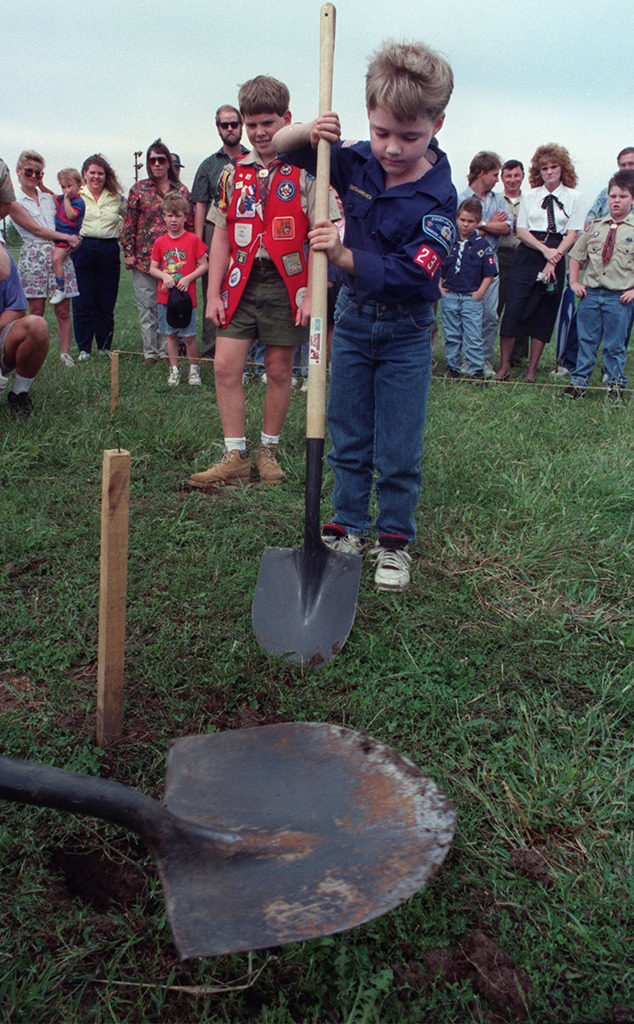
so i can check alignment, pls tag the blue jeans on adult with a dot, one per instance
(380, 373)
(490, 318)
(98, 267)
(602, 314)
(461, 318)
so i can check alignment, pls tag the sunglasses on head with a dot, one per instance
(30, 173)
(228, 124)
(158, 159)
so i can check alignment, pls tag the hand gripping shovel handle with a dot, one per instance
(316, 410)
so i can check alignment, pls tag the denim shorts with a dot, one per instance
(180, 332)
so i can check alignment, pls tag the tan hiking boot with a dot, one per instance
(233, 468)
(267, 465)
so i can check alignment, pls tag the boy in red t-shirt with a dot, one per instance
(179, 258)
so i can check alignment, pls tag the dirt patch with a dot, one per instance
(479, 960)
(19, 692)
(96, 879)
(533, 863)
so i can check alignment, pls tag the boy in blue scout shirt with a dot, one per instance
(467, 273)
(399, 205)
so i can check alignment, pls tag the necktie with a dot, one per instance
(548, 204)
(264, 179)
(608, 246)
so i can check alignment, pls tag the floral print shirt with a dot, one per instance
(144, 222)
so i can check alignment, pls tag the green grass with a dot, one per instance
(505, 672)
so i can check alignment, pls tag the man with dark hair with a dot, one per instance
(512, 176)
(484, 173)
(229, 125)
(600, 207)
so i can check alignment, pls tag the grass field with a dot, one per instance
(505, 673)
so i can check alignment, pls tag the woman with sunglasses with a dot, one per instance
(142, 226)
(33, 214)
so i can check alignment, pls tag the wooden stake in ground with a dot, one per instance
(114, 383)
(115, 504)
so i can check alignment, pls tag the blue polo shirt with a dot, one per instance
(11, 291)
(467, 264)
(398, 236)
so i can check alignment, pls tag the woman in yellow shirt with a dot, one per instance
(98, 260)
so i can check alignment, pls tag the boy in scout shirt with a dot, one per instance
(258, 282)
(606, 250)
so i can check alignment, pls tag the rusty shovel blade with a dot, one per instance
(268, 835)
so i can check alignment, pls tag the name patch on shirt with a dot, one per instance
(354, 188)
(440, 229)
(428, 259)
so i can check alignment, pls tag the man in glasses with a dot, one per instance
(229, 125)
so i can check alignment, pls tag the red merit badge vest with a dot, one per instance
(282, 230)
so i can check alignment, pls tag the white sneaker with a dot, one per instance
(174, 377)
(392, 568)
(263, 378)
(83, 357)
(3, 382)
(304, 387)
(560, 372)
(57, 297)
(246, 377)
(348, 543)
(489, 372)
(66, 360)
(194, 376)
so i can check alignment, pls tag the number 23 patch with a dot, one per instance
(428, 259)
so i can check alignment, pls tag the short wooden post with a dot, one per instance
(115, 504)
(114, 383)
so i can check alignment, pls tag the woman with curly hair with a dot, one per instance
(549, 220)
(142, 226)
(98, 261)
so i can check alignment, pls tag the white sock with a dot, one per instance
(236, 444)
(21, 384)
(269, 438)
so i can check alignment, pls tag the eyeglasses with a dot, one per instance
(228, 124)
(158, 160)
(30, 173)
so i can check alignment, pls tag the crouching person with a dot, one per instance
(24, 342)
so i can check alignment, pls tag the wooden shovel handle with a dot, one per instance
(316, 411)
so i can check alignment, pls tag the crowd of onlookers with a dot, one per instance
(397, 239)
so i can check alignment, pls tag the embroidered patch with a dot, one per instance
(246, 202)
(286, 191)
(428, 260)
(283, 228)
(292, 263)
(243, 233)
(241, 256)
(225, 299)
(286, 169)
(235, 277)
(354, 188)
(440, 229)
(300, 295)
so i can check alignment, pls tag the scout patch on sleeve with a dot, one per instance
(283, 228)
(292, 263)
(440, 229)
(428, 260)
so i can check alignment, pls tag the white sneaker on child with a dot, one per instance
(174, 377)
(66, 359)
(57, 297)
(194, 376)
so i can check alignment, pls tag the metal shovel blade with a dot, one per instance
(335, 829)
(305, 602)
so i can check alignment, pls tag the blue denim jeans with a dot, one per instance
(490, 318)
(461, 318)
(601, 314)
(380, 373)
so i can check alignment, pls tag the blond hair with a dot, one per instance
(29, 156)
(263, 95)
(68, 174)
(409, 80)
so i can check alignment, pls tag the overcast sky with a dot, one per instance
(82, 77)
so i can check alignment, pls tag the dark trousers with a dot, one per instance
(208, 345)
(98, 268)
(505, 261)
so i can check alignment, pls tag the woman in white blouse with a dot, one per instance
(549, 220)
